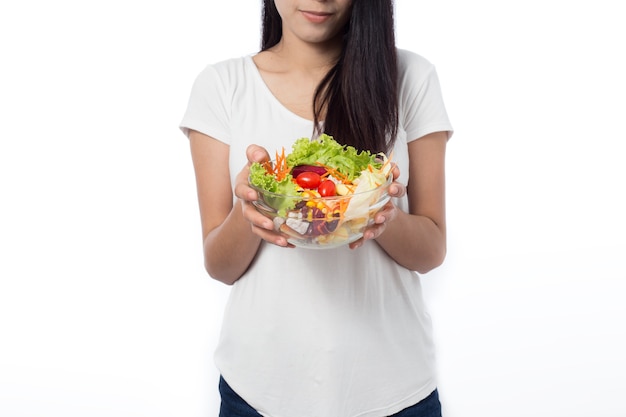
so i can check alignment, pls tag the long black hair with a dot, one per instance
(360, 93)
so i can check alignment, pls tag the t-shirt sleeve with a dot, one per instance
(421, 102)
(208, 109)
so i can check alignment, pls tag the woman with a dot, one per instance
(343, 332)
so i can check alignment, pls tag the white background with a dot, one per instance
(105, 309)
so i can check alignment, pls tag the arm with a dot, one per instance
(417, 239)
(231, 233)
(229, 245)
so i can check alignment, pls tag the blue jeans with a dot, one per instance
(428, 407)
(234, 406)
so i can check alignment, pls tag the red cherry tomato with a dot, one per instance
(327, 188)
(309, 180)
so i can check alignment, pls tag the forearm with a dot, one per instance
(230, 248)
(415, 242)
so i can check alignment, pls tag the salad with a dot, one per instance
(322, 191)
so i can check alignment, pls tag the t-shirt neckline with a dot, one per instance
(259, 78)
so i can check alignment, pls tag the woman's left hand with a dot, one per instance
(386, 214)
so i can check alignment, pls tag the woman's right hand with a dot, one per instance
(261, 225)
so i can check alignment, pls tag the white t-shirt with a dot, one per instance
(319, 333)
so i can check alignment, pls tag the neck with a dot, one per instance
(308, 57)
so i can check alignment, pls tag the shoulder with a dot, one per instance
(222, 79)
(412, 63)
(226, 69)
(421, 105)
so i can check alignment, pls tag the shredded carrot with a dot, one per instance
(335, 173)
(280, 168)
(343, 206)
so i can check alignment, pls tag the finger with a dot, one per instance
(356, 244)
(387, 213)
(395, 171)
(242, 188)
(373, 231)
(273, 237)
(245, 192)
(380, 217)
(256, 153)
(396, 189)
(255, 218)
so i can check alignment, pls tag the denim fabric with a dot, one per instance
(234, 406)
(428, 407)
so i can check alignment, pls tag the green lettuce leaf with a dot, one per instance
(327, 151)
(260, 178)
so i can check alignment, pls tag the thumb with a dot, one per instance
(256, 153)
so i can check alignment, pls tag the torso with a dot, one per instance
(303, 329)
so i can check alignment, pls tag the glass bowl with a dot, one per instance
(314, 222)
